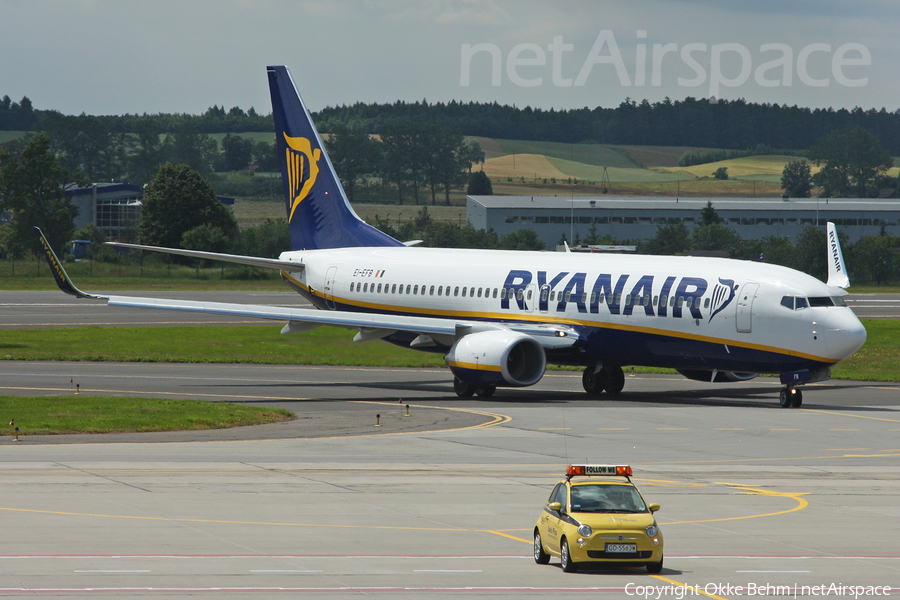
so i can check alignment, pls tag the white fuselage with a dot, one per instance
(661, 308)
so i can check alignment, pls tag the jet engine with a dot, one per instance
(500, 358)
(717, 376)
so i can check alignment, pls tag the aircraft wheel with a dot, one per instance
(615, 380)
(797, 398)
(784, 398)
(486, 391)
(594, 381)
(463, 389)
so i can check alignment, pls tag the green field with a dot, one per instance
(37, 415)
(878, 360)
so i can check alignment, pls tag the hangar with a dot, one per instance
(633, 218)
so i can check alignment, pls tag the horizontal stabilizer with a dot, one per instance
(250, 261)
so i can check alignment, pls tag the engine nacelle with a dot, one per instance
(717, 376)
(501, 358)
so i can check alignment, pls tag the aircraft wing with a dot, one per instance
(370, 325)
(252, 261)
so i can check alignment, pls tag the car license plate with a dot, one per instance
(612, 548)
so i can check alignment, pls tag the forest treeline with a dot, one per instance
(734, 124)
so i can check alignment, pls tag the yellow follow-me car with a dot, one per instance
(599, 519)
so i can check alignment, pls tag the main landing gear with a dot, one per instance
(790, 397)
(464, 389)
(609, 379)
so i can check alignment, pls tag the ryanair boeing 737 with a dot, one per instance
(500, 317)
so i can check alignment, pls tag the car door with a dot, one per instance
(550, 519)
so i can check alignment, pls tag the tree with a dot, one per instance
(709, 216)
(672, 238)
(176, 201)
(523, 239)
(236, 152)
(479, 185)
(194, 149)
(353, 154)
(32, 191)
(796, 179)
(721, 173)
(853, 158)
(148, 150)
(716, 237)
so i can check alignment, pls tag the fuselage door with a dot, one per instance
(329, 287)
(744, 317)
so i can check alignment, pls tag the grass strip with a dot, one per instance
(41, 415)
(207, 344)
(878, 360)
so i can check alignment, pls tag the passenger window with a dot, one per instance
(456, 291)
(365, 287)
(465, 289)
(529, 294)
(379, 288)
(646, 301)
(503, 293)
(663, 300)
(627, 299)
(415, 290)
(672, 301)
(680, 301)
(431, 291)
(618, 299)
(495, 292)
(568, 296)
(520, 295)
(479, 292)
(351, 286)
(689, 302)
(584, 297)
(706, 303)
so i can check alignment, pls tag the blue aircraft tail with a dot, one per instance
(318, 212)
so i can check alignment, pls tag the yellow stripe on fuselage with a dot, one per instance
(543, 318)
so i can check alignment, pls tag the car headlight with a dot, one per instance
(585, 530)
(651, 530)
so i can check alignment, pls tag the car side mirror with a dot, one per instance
(557, 506)
(653, 507)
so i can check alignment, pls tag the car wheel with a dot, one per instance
(568, 565)
(655, 567)
(540, 557)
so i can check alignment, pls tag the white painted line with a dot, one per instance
(112, 571)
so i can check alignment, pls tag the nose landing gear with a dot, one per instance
(790, 397)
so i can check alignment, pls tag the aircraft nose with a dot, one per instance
(843, 333)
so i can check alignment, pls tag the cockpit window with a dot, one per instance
(821, 301)
(798, 302)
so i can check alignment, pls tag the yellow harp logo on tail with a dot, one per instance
(302, 168)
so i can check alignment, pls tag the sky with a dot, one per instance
(103, 57)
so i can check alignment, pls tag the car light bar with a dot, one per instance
(587, 470)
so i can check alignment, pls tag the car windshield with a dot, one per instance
(598, 498)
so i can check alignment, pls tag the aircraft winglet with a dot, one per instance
(837, 269)
(59, 273)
